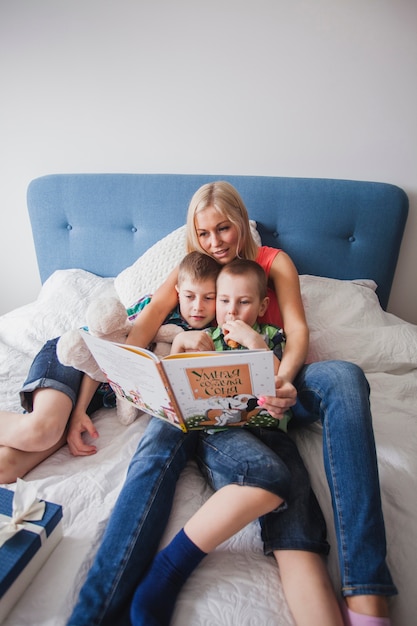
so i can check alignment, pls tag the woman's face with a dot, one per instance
(218, 237)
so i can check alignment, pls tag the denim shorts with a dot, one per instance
(268, 458)
(301, 526)
(46, 372)
(234, 456)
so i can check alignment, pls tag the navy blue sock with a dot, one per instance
(154, 599)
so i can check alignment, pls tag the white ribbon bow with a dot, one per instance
(26, 508)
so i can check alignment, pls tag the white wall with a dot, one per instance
(321, 88)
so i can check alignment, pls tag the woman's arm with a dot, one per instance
(153, 315)
(287, 288)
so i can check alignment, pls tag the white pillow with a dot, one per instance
(332, 302)
(151, 269)
(347, 322)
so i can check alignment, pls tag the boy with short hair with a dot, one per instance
(241, 298)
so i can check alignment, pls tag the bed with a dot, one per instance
(107, 234)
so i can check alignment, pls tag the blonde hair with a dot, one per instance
(224, 198)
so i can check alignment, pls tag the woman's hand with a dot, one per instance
(285, 398)
(81, 423)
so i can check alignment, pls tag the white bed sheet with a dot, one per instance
(236, 585)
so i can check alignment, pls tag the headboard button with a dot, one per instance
(134, 229)
(69, 227)
(275, 234)
(352, 239)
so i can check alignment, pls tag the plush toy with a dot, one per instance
(107, 318)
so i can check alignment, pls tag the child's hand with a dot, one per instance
(79, 424)
(243, 334)
(192, 341)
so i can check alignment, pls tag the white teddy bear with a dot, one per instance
(107, 318)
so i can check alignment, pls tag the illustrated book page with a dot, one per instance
(191, 390)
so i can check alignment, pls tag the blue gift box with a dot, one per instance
(23, 554)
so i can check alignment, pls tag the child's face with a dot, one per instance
(238, 299)
(197, 302)
(218, 237)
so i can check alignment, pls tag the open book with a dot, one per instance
(191, 390)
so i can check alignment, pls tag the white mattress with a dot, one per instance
(236, 585)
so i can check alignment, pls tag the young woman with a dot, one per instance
(335, 392)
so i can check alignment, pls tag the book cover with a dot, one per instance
(191, 390)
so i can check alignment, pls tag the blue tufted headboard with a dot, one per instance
(103, 222)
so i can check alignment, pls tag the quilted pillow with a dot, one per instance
(153, 266)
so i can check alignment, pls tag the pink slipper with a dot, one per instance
(358, 619)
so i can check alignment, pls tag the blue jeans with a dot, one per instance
(141, 512)
(337, 393)
(136, 525)
(236, 457)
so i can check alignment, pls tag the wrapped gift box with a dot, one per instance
(24, 553)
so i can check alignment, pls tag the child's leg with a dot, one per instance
(42, 428)
(297, 538)
(15, 463)
(221, 516)
(308, 588)
(249, 481)
(226, 512)
(27, 439)
(48, 395)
